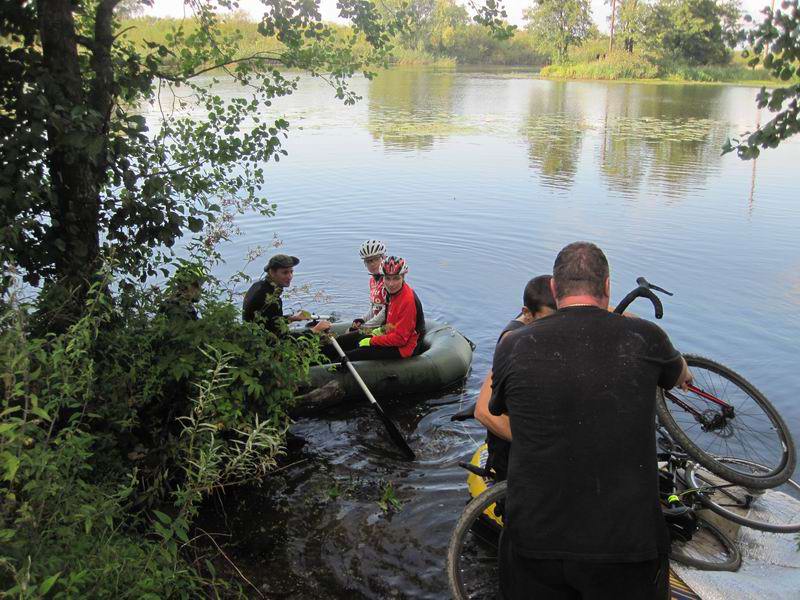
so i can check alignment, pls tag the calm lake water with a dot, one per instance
(478, 179)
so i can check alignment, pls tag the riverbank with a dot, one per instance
(622, 66)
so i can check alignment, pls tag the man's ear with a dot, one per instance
(553, 289)
(607, 287)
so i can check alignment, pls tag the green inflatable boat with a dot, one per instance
(444, 362)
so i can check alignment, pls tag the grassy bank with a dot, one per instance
(627, 66)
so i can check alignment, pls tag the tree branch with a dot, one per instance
(278, 58)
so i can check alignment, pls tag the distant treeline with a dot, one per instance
(456, 40)
(687, 40)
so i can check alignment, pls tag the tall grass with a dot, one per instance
(625, 65)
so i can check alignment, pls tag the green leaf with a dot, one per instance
(40, 412)
(48, 583)
(195, 225)
(165, 519)
(10, 465)
(7, 534)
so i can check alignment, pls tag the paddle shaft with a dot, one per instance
(394, 431)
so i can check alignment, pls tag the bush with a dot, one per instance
(112, 432)
(617, 65)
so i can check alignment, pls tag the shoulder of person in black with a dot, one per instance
(659, 348)
(263, 298)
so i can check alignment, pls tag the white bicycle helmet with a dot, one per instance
(371, 249)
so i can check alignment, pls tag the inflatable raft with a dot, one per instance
(444, 362)
(477, 484)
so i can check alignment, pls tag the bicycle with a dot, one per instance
(722, 415)
(471, 557)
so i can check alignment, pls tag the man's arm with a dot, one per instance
(500, 426)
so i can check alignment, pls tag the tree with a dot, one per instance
(695, 31)
(560, 23)
(632, 17)
(777, 38)
(83, 179)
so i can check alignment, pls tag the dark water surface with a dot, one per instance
(478, 179)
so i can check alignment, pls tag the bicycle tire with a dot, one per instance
(708, 550)
(756, 433)
(774, 510)
(472, 570)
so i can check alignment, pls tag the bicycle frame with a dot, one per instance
(718, 421)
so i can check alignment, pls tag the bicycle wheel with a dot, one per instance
(749, 428)
(776, 509)
(472, 571)
(708, 550)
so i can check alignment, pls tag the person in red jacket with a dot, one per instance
(405, 322)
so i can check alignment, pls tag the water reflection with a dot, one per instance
(669, 134)
(410, 108)
(554, 130)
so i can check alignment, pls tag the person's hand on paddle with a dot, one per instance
(365, 343)
(322, 326)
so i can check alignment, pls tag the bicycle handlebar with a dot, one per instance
(645, 290)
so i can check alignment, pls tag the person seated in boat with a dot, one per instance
(263, 300)
(405, 322)
(537, 302)
(373, 252)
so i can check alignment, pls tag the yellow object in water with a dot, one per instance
(478, 484)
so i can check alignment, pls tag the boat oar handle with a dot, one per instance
(391, 427)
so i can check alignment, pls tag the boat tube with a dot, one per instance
(444, 362)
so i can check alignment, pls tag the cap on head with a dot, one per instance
(371, 249)
(394, 265)
(282, 261)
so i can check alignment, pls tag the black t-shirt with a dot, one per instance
(265, 299)
(579, 387)
(497, 448)
(512, 325)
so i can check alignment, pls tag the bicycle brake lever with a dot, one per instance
(660, 289)
(642, 282)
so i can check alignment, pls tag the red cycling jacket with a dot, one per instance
(405, 322)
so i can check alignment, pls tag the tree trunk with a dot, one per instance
(74, 152)
(613, 22)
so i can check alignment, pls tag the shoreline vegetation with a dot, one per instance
(474, 47)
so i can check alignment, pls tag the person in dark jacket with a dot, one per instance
(263, 300)
(538, 302)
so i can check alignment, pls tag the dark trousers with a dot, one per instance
(523, 578)
(349, 343)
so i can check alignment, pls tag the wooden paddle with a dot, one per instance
(391, 427)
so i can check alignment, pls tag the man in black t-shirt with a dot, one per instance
(582, 516)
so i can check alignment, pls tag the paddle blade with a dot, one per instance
(394, 433)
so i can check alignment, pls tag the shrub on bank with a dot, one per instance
(625, 65)
(618, 65)
(113, 431)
